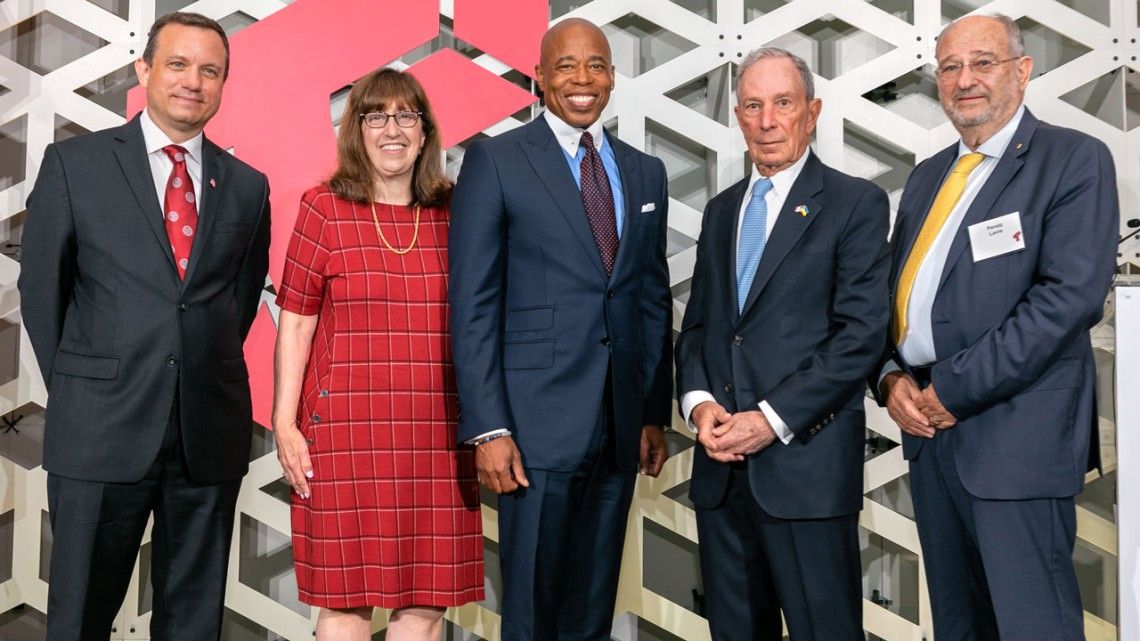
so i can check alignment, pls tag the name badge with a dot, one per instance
(996, 236)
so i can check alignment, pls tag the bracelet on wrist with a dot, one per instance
(490, 437)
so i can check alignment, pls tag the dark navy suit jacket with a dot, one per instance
(812, 328)
(117, 335)
(1014, 359)
(535, 321)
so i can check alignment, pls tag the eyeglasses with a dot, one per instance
(405, 119)
(982, 67)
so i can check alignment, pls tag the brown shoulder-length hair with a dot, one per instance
(388, 89)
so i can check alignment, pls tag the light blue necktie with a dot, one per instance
(753, 236)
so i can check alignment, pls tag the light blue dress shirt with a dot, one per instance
(570, 139)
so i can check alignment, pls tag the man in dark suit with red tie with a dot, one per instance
(144, 255)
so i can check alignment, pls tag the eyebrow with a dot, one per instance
(574, 59)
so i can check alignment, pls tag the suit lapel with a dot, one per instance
(1008, 166)
(549, 164)
(213, 181)
(722, 242)
(631, 192)
(940, 163)
(790, 226)
(131, 155)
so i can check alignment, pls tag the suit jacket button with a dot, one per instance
(605, 340)
(728, 388)
(171, 361)
(316, 418)
(183, 307)
(610, 293)
(323, 393)
(737, 340)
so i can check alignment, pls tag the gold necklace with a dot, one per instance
(415, 234)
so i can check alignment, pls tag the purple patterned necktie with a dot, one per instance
(598, 201)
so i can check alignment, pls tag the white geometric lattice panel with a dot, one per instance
(65, 69)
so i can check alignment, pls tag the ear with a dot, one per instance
(1024, 71)
(142, 71)
(814, 107)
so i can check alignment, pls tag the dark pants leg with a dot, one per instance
(97, 528)
(560, 548)
(754, 565)
(995, 569)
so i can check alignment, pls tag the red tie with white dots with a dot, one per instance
(179, 209)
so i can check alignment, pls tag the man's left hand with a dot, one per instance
(654, 450)
(939, 416)
(745, 434)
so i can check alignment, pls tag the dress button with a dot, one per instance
(316, 418)
(324, 393)
(729, 388)
(737, 340)
(171, 361)
(605, 340)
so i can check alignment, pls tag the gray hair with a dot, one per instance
(756, 55)
(1012, 32)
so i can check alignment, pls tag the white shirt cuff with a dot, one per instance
(689, 402)
(778, 425)
(501, 430)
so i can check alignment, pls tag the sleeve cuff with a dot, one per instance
(888, 367)
(689, 401)
(778, 425)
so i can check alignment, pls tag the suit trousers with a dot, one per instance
(995, 569)
(753, 565)
(560, 545)
(97, 529)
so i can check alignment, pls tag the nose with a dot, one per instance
(581, 75)
(966, 77)
(390, 127)
(767, 117)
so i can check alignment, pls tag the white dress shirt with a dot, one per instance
(782, 182)
(917, 347)
(160, 163)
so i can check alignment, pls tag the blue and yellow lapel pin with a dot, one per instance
(802, 210)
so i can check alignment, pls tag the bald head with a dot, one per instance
(550, 38)
(575, 72)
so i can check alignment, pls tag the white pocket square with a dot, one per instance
(648, 207)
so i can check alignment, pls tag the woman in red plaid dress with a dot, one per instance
(386, 506)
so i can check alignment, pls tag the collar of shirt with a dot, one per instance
(160, 164)
(155, 139)
(570, 137)
(996, 145)
(782, 182)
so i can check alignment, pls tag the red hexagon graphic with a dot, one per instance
(509, 30)
(275, 112)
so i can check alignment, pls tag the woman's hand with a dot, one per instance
(293, 454)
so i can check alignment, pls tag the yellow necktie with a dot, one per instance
(944, 203)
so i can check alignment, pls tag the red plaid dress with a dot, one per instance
(393, 519)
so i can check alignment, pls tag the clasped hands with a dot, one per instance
(917, 412)
(731, 437)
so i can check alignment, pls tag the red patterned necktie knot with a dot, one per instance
(598, 201)
(179, 211)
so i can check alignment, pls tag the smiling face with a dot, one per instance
(575, 72)
(980, 105)
(184, 80)
(392, 150)
(774, 114)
